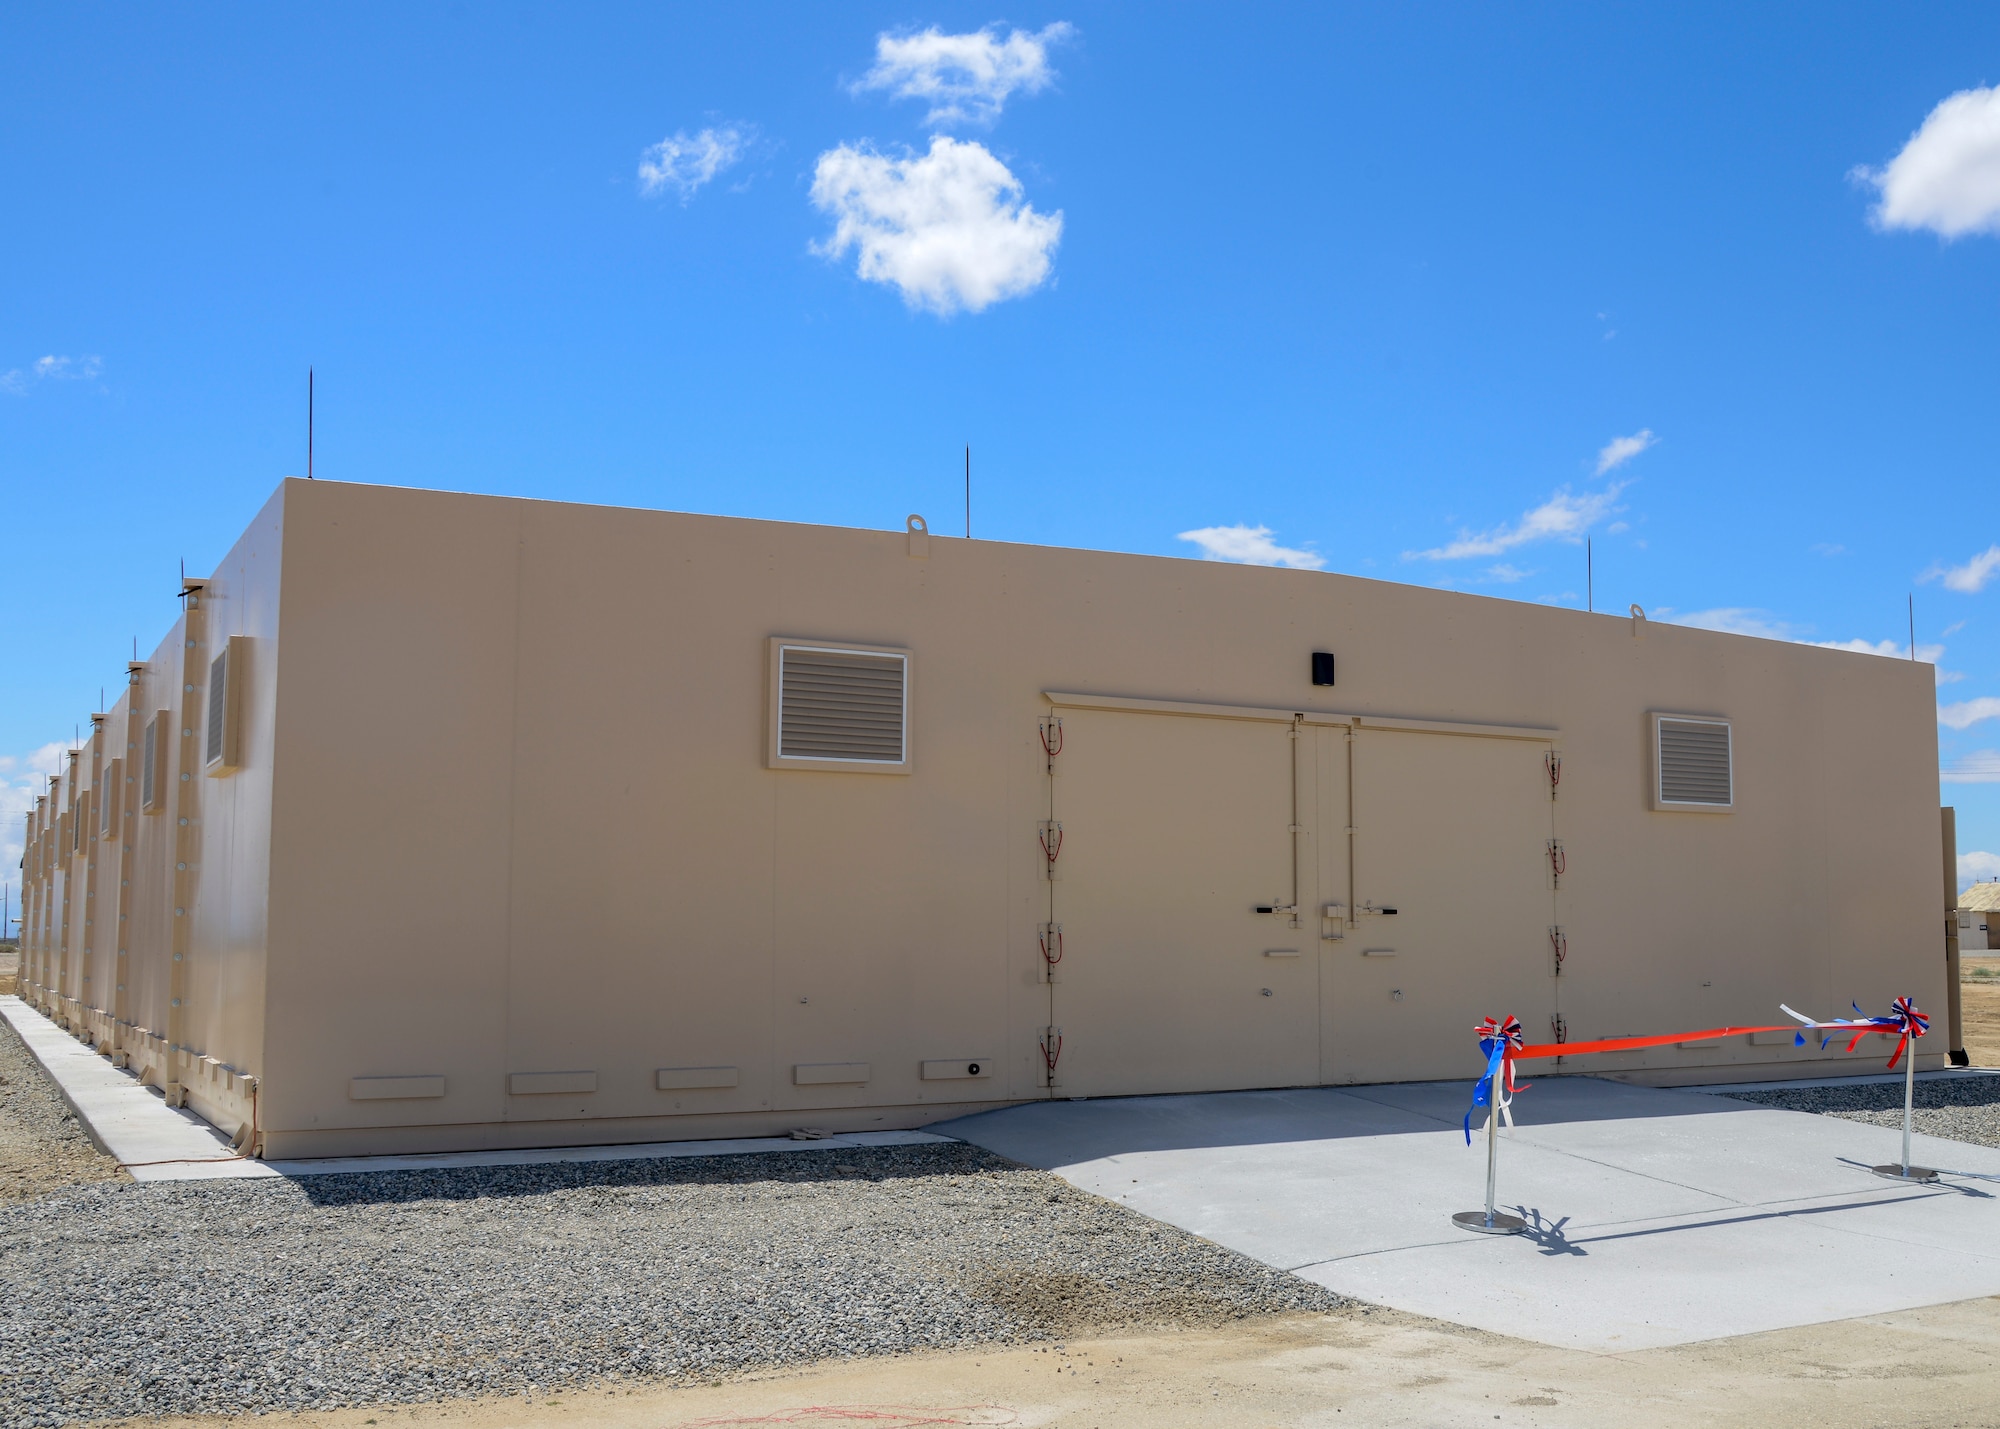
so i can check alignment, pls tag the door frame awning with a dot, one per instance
(1271, 715)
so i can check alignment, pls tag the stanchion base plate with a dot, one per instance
(1896, 1173)
(1501, 1224)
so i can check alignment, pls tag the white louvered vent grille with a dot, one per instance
(841, 704)
(1694, 763)
(218, 705)
(149, 793)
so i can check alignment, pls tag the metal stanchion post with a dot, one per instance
(1907, 1172)
(1490, 1221)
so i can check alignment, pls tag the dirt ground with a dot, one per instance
(1979, 1005)
(1923, 1369)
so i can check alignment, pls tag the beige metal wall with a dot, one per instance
(527, 862)
(188, 877)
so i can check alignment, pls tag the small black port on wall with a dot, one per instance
(1322, 667)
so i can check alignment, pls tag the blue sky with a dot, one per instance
(1424, 293)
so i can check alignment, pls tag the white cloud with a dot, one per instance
(1980, 767)
(684, 162)
(1250, 546)
(1619, 450)
(1894, 650)
(948, 229)
(1967, 713)
(966, 79)
(1977, 867)
(1747, 620)
(1827, 548)
(1730, 620)
(1970, 578)
(22, 777)
(18, 380)
(1562, 517)
(1507, 573)
(1947, 177)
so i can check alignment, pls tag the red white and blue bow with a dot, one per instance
(1499, 1041)
(1903, 1022)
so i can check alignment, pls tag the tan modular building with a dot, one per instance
(450, 821)
(1979, 918)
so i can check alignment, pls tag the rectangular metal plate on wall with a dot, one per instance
(679, 1079)
(542, 1084)
(375, 1089)
(948, 1070)
(825, 1074)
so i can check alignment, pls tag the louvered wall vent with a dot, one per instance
(218, 705)
(842, 707)
(223, 736)
(149, 779)
(153, 781)
(1692, 758)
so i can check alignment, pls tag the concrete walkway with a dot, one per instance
(132, 1122)
(155, 1142)
(1659, 1217)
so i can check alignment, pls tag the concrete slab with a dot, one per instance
(153, 1141)
(1659, 1217)
(1949, 1074)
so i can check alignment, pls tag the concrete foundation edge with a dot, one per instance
(594, 1131)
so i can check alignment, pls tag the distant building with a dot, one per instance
(1979, 918)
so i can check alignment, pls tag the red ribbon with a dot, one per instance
(1627, 1044)
(1904, 1022)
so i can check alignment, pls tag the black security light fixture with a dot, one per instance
(1322, 667)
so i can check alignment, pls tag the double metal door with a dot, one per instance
(1403, 877)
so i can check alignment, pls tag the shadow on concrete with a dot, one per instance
(1548, 1235)
(1935, 1187)
(804, 1167)
(1066, 1133)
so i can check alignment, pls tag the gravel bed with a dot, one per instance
(1956, 1108)
(43, 1147)
(221, 1297)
